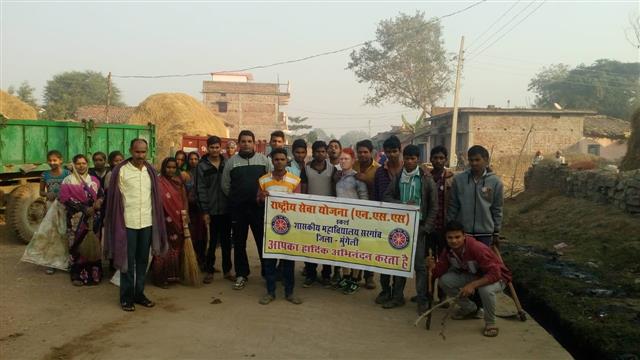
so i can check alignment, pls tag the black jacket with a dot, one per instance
(211, 199)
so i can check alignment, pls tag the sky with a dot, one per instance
(41, 39)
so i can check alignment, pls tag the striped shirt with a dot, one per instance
(289, 183)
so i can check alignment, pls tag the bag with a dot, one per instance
(49, 246)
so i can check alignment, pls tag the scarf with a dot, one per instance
(115, 244)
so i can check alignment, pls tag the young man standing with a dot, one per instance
(134, 221)
(334, 150)
(213, 203)
(443, 178)
(296, 166)
(366, 168)
(240, 185)
(477, 198)
(465, 267)
(384, 176)
(319, 173)
(283, 181)
(413, 187)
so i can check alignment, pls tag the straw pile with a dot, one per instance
(631, 160)
(13, 108)
(175, 115)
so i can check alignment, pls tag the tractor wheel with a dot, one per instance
(25, 210)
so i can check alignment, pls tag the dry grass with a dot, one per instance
(13, 108)
(175, 115)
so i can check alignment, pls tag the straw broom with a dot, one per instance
(190, 270)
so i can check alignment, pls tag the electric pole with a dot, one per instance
(106, 109)
(456, 98)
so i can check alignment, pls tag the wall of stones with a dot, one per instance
(621, 190)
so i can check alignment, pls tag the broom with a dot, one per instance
(190, 270)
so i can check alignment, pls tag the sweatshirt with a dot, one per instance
(240, 179)
(477, 259)
(428, 198)
(477, 205)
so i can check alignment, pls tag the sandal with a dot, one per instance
(145, 302)
(490, 331)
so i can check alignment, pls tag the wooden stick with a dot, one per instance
(426, 313)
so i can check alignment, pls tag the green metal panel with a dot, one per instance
(57, 140)
(115, 139)
(35, 144)
(11, 145)
(98, 141)
(76, 143)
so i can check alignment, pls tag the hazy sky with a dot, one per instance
(40, 39)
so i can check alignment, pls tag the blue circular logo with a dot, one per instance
(399, 239)
(280, 224)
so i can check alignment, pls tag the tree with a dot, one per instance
(407, 65)
(66, 92)
(607, 86)
(633, 31)
(296, 123)
(25, 93)
(352, 137)
(317, 134)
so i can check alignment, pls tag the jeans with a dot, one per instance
(241, 222)
(453, 281)
(132, 282)
(312, 273)
(220, 233)
(485, 239)
(421, 269)
(287, 275)
(397, 291)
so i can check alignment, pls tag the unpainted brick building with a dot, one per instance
(244, 104)
(505, 131)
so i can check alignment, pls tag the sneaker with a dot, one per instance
(307, 283)
(351, 288)
(240, 283)
(266, 299)
(50, 271)
(383, 297)
(369, 283)
(325, 282)
(293, 299)
(393, 303)
(342, 284)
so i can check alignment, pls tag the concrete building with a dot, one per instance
(244, 104)
(604, 136)
(504, 131)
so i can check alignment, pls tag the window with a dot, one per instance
(594, 149)
(222, 107)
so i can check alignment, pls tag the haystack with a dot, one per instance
(175, 115)
(631, 160)
(13, 108)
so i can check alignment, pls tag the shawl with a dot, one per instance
(115, 244)
(172, 200)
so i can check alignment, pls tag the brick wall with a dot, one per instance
(621, 190)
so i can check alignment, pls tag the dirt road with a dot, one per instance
(45, 317)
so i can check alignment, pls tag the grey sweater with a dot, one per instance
(477, 205)
(347, 186)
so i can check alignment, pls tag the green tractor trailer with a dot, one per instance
(23, 157)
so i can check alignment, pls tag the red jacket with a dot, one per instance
(477, 258)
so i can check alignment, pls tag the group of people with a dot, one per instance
(128, 208)
(558, 160)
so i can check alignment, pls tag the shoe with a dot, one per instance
(293, 299)
(145, 302)
(414, 298)
(127, 306)
(266, 299)
(335, 279)
(393, 303)
(308, 282)
(342, 284)
(77, 283)
(383, 297)
(369, 283)
(351, 288)
(240, 283)
(325, 282)
(229, 276)
(50, 271)
(208, 278)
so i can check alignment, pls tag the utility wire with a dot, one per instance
(293, 60)
(474, 55)
(494, 23)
